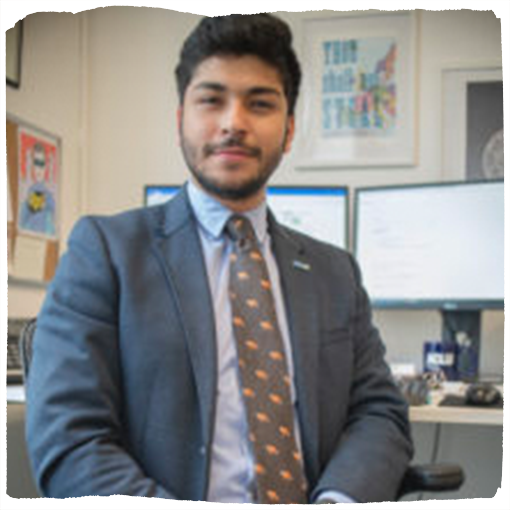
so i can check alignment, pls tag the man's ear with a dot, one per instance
(291, 128)
(179, 124)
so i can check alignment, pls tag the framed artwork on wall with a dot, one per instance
(472, 145)
(359, 81)
(33, 190)
(13, 44)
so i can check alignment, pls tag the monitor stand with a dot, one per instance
(462, 328)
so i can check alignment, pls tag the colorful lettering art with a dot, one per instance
(359, 92)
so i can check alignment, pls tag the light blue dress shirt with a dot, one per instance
(231, 477)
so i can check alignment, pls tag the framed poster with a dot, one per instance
(359, 91)
(33, 204)
(13, 43)
(472, 123)
(38, 181)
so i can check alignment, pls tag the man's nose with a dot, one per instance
(234, 119)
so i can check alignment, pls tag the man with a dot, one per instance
(164, 327)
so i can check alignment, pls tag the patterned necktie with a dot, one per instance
(264, 376)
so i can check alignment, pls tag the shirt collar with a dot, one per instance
(212, 215)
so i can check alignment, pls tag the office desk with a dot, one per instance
(434, 413)
(456, 415)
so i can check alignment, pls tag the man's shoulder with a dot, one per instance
(142, 222)
(125, 221)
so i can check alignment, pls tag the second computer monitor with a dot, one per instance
(432, 246)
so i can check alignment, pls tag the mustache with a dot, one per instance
(230, 143)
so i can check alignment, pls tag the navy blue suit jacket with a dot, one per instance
(121, 395)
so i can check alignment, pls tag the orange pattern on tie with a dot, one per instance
(252, 303)
(277, 356)
(251, 344)
(266, 325)
(264, 378)
(276, 399)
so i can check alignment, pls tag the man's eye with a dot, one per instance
(262, 105)
(209, 100)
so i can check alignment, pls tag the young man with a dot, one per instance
(184, 352)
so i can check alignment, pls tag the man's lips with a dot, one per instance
(233, 153)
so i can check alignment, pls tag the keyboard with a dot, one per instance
(14, 371)
(14, 366)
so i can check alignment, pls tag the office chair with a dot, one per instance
(418, 478)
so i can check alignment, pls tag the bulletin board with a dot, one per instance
(33, 205)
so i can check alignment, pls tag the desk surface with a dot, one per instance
(433, 413)
(457, 415)
(430, 413)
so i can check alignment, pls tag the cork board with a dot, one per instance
(33, 175)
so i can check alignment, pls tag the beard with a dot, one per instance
(242, 189)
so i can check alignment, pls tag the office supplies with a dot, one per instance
(435, 246)
(440, 357)
(483, 394)
(415, 390)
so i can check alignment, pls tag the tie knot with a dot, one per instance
(240, 230)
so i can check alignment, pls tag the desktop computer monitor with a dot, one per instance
(155, 194)
(435, 246)
(318, 211)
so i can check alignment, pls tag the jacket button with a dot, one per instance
(202, 450)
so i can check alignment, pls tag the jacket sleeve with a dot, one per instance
(375, 447)
(74, 392)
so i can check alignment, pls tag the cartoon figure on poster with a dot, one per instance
(38, 182)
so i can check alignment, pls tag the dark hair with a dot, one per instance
(262, 35)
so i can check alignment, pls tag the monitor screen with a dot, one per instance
(428, 246)
(320, 212)
(157, 194)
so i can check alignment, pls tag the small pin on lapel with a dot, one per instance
(301, 265)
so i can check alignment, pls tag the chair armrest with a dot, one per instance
(431, 478)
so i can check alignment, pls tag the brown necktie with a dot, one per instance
(264, 376)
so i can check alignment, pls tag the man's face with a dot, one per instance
(234, 127)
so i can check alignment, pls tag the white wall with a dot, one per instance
(103, 80)
(50, 98)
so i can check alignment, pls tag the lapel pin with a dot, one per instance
(301, 265)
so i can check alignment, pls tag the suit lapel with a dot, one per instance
(179, 252)
(297, 278)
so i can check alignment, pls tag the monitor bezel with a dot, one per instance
(424, 304)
